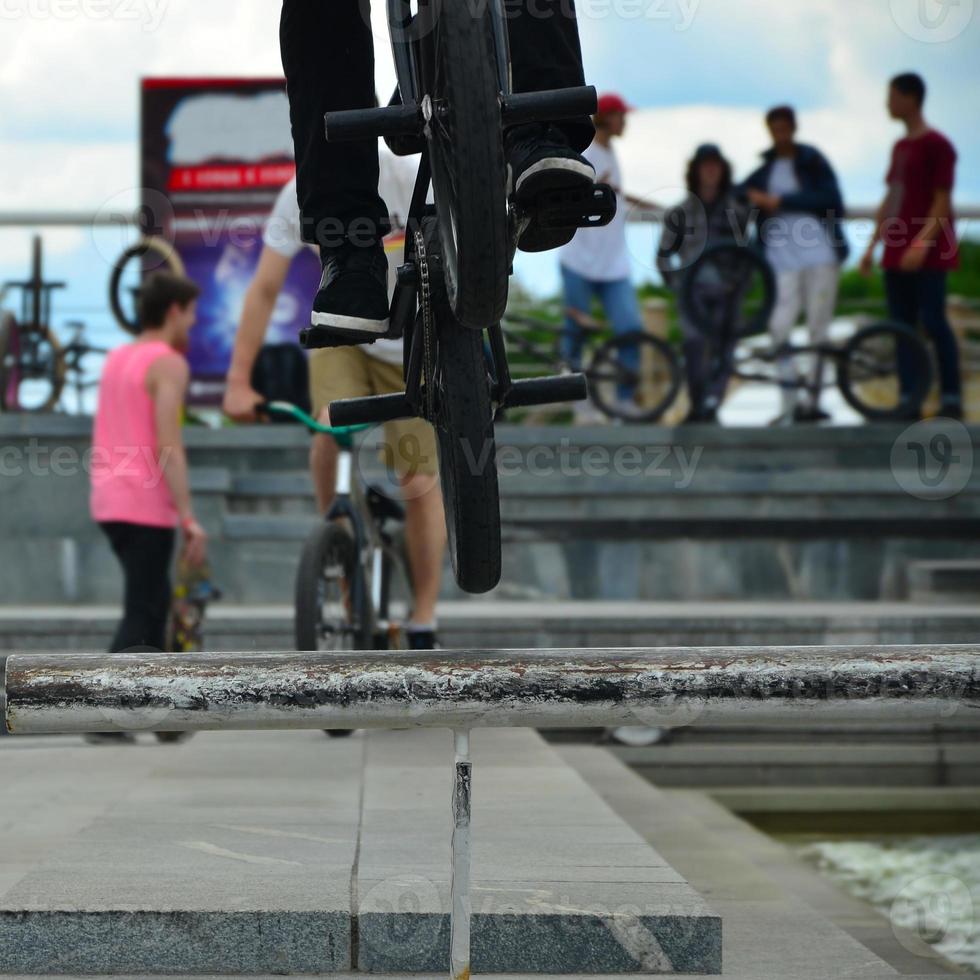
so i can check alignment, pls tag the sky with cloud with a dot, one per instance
(695, 70)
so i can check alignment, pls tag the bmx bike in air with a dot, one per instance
(453, 104)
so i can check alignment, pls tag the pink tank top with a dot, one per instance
(128, 483)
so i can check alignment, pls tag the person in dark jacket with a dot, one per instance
(799, 215)
(710, 215)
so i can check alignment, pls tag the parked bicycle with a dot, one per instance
(632, 377)
(729, 294)
(453, 102)
(32, 364)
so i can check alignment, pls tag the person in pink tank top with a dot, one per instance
(140, 489)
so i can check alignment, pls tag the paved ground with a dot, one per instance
(248, 851)
(245, 806)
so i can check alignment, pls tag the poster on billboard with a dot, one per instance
(216, 152)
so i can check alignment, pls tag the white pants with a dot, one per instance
(813, 293)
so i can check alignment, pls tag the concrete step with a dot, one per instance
(250, 854)
(944, 581)
(543, 624)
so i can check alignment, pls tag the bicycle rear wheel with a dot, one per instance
(465, 138)
(869, 372)
(634, 377)
(467, 457)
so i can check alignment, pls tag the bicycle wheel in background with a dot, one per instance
(731, 289)
(634, 377)
(330, 617)
(146, 256)
(8, 363)
(465, 138)
(868, 372)
(32, 369)
(467, 456)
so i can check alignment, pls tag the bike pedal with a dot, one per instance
(593, 206)
(323, 338)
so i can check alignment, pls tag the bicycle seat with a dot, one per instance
(383, 507)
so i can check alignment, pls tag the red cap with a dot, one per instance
(610, 102)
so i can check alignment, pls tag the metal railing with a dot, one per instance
(79, 693)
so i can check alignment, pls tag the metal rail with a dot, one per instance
(76, 693)
(51, 694)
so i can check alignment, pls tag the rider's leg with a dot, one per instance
(546, 54)
(789, 306)
(820, 284)
(323, 466)
(328, 57)
(578, 300)
(695, 368)
(931, 291)
(425, 538)
(334, 375)
(623, 309)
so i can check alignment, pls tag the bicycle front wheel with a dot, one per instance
(634, 377)
(885, 372)
(329, 616)
(467, 457)
(465, 139)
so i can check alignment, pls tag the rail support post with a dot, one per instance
(462, 906)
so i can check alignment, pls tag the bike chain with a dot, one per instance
(428, 324)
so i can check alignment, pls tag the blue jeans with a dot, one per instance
(619, 300)
(918, 299)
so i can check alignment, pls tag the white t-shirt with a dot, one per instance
(794, 240)
(600, 254)
(283, 232)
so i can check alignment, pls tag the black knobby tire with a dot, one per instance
(467, 457)
(8, 362)
(728, 282)
(162, 255)
(465, 140)
(657, 379)
(327, 562)
(868, 378)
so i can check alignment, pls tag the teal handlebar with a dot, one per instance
(287, 408)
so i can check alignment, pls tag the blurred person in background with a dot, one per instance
(596, 263)
(799, 214)
(710, 215)
(917, 225)
(353, 372)
(139, 475)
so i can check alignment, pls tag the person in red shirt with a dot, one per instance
(917, 226)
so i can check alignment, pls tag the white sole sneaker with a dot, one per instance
(352, 324)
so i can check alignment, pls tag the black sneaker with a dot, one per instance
(352, 303)
(422, 639)
(539, 161)
(810, 415)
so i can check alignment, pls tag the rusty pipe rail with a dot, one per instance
(74, 693)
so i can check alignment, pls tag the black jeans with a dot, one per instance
(328, 56)
(919, 299)
(145, 554)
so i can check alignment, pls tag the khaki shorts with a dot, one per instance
(348, 372)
